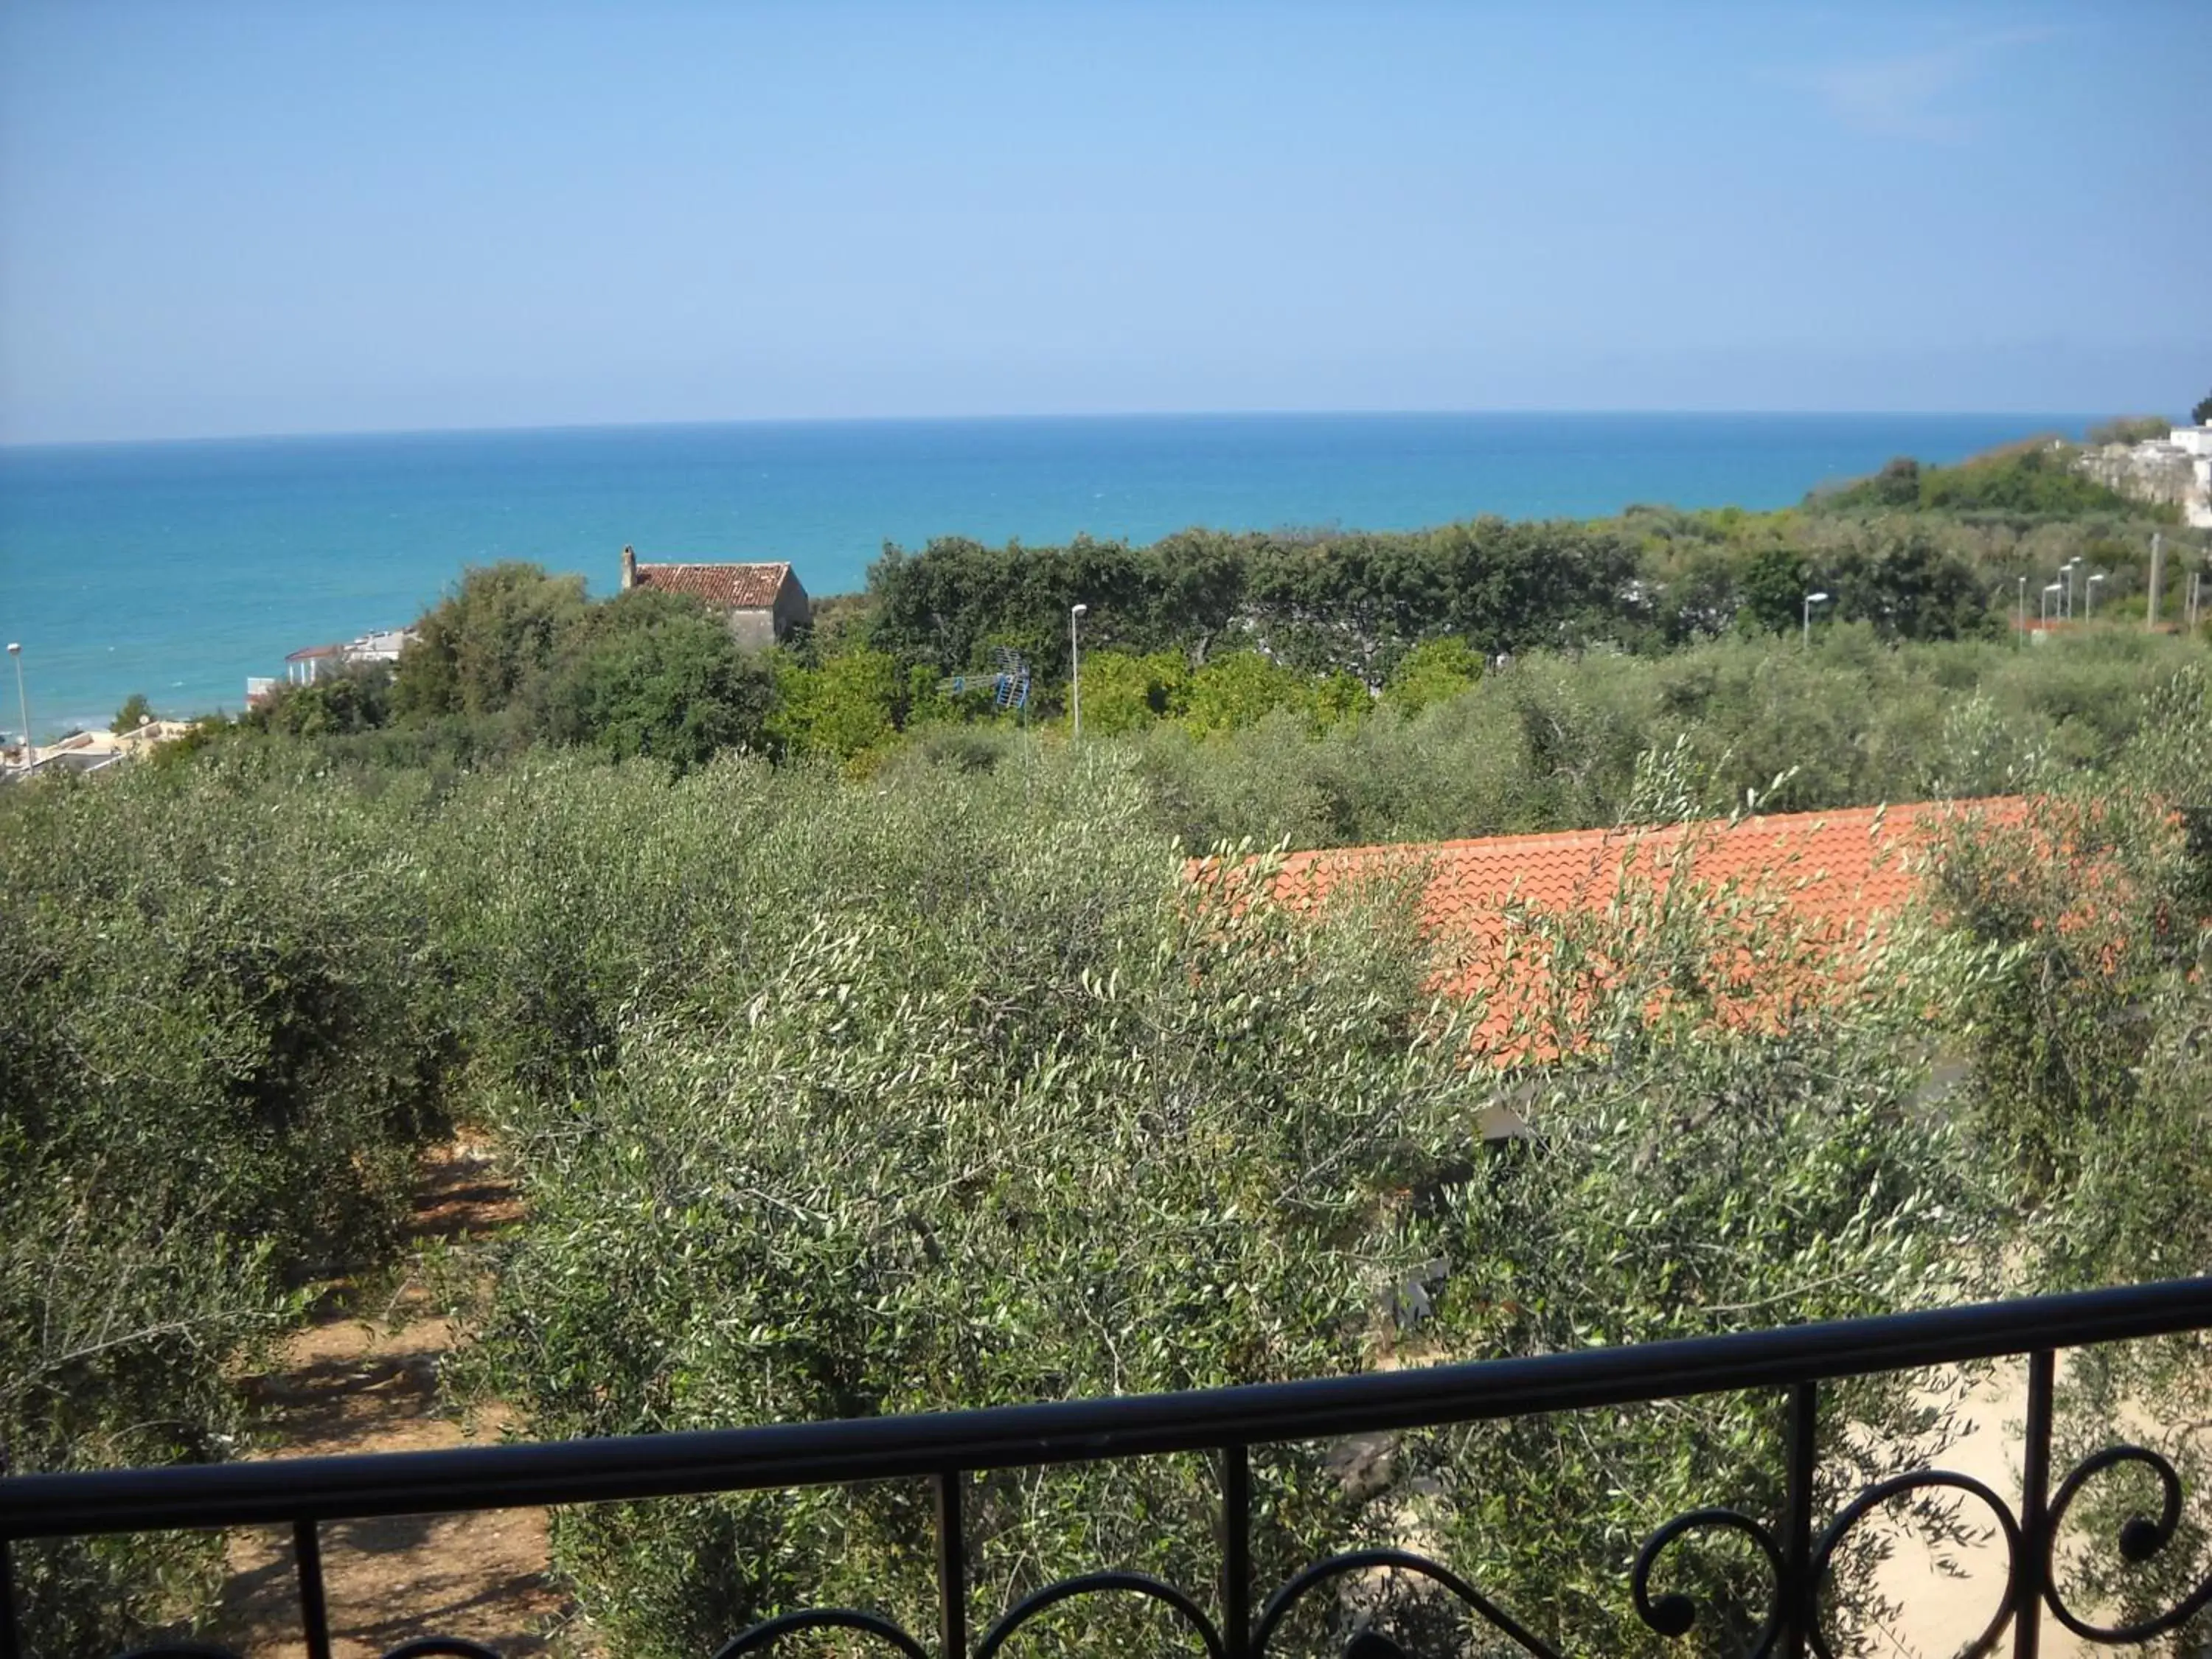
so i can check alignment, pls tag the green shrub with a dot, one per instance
(1123, 693)
(2033, 477)
(1240, 688)
(219, 1043)
(654, 674)
(337, 705)
(1432, 672)
(482, 647)
(2090, 1090)
(941, 1091)
(849, 707)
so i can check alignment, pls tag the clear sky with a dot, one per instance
(223, 217)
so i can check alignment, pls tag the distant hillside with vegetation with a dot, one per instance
(2037, 478)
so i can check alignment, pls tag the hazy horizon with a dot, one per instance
(981, 418)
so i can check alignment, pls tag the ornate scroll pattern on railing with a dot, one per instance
(1092, 1583)
(948, 1450)
(765, 1635)
(2140, 1540)
(1371, 1646)
(1673, 1614)
(2008, 1605)
(1676, 1614)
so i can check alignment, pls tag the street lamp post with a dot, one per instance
(2066, 572)
(1075, 666)
(2089, 597)
(2049, 589)
(2021, 633)
(1812, 599)
(22, 702)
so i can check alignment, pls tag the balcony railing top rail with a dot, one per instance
(949, 1446)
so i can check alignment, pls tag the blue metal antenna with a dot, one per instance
(1008, 682)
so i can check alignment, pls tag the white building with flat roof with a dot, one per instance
(2195, 442)
(311, 662)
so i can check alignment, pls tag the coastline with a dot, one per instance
(180, 569)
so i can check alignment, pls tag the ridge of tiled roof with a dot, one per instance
(1851, 860)
(1844, 874)
(720, 586)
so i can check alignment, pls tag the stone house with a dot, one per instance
(763, 603)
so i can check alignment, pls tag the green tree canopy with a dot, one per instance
(1240, 690)
(1432, 671)
(333, 705)
(1126, 693)
(849, 705)
(655, 674)
(476, 649)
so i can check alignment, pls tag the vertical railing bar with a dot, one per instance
(11, 1640)
(314, 1608)
(951, 1568)
(1800, 1603)
(1237, 1549)
(2035, 1507)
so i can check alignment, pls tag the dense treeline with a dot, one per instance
(1350, 603)
(1245, 745)
(1916, 553)
(1213, 632)
(1357, 605)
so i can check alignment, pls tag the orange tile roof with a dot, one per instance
(718, 586)
(1841, 876)
(1854, 864)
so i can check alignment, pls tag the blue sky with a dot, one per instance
(221, 218)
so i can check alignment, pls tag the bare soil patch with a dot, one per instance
(365, 1378)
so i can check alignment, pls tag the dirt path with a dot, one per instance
(364, 1379)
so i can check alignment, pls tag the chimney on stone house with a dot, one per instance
(629, 569)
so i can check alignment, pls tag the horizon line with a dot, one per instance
(18, 446)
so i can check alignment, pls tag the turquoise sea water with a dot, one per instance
(178, 570)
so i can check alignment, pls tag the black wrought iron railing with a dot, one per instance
(949, 1447)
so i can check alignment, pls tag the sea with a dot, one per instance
(180, 569)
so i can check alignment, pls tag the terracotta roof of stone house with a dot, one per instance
(718, 586)
(1842, 877)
